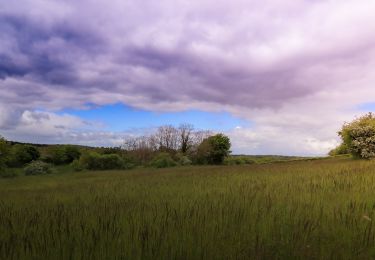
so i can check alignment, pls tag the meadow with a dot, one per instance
(318, 209)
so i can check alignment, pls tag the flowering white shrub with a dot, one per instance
(359, 136)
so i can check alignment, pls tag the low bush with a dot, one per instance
(238, 160)
(163, 160)
(4, 153)
(184, 160)
(339, 150)
(77, 166)
(37, 168)
(62, 154)
(95, 161)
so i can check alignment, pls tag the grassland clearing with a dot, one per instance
(301, 209)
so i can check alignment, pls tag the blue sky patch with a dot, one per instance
(367, 107)
(119, 117)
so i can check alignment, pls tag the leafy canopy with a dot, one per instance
(359, 136)
(214, 149)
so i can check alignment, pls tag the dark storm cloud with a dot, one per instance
(43, 53)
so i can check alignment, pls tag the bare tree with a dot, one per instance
(166, 137)
(185, 135)
(199, 136)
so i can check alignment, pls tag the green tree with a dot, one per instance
(339, 150)
(214, 149)
(22, 154)
(359, 136)
(4, 152)
(64, 154)
(72, 153)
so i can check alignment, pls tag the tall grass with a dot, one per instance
(307, 209)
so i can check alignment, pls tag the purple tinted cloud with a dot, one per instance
(269, 61)
(154, 58)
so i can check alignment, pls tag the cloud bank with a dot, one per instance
(297, 69)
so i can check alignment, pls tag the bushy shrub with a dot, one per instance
(238, 160)
(339, 150)
(163, 160)
(72, 153)
(77, 166)
(22, 154)
(129, 161)
(63, 154)
(37, 168)
(213, 150)
(184, 160)
(95, 161)
(4, 152)
(359, 136)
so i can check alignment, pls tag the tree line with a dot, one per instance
(176, 141)
(167, 146)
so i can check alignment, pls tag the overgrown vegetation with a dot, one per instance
(294, 210)
(96, 161)
(4, 151)
(22, 154)
(358, 138)
(163, 160)
(342, 149)
(213, 150)
(167, 147)
(37, 168)
(62, 154)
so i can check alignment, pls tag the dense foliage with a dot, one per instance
(21, 154)
(4, 152)
(339, 150)
(167, 147)
(62, 154)
(163, 160)
(359, 136)
(213, 150)
(37, 168)
(96, 161)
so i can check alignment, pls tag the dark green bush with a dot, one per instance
(95, 161)
(238, 160)
(63, 154)
(22, 154)
(163, 160)
(129, 161)
(72, 153)
(213, 150)
(37, 168)
(339, 150)
(4, 152)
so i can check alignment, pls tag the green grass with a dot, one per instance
(320, 209)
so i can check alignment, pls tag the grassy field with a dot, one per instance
(321, 209)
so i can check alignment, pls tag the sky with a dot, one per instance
(277, 76)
